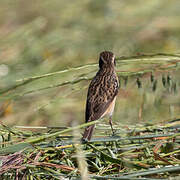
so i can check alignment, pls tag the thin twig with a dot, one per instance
(21, 82)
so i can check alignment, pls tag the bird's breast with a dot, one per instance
(110, 109)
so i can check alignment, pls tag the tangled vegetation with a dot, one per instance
(141, 151)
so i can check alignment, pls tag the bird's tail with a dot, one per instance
(88, 133)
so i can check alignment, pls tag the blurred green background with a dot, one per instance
(39, 37)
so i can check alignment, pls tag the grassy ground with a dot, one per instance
(135, 152)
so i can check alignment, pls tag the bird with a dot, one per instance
(102, 93)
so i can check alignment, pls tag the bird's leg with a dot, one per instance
(110, 122)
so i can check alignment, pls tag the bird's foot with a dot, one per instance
(113, 132)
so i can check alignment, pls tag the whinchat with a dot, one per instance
(102, 93)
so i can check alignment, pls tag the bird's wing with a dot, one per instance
(101, 94)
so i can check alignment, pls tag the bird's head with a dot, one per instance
(106, 59)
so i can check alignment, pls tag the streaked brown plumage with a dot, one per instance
(102, 93)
